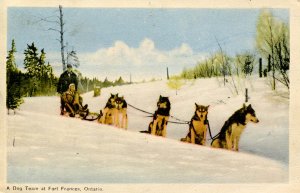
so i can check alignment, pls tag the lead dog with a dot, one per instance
(230, 133)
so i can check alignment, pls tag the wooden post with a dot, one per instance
(168, 73)
(265, 72)
(260, 67)
(87, 85)
(246, 95)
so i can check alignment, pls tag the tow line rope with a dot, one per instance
(175, 122)
(211, 138)
(139, 109)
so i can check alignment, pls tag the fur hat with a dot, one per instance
(72, 84)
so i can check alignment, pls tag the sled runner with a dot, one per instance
(92, 116)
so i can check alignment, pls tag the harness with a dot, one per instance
(163, 119)
(108, 105)
(206, 122)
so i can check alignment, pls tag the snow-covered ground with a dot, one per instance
(44, 147)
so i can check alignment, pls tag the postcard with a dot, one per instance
(149, 96)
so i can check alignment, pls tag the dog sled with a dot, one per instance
(71, 103)
(79, 111)
(72, 107)
(116, 106)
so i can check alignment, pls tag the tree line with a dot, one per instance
(272, 45)
(38, 78)
(220, 64)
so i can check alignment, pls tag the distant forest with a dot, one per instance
(38, 78)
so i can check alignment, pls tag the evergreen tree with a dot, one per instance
(107, 83)
(31, 61)
(244, 63)
(41, 80)
(13, 76)
(11, 61)
(120, 81)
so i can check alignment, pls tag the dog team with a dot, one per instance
(115, 113)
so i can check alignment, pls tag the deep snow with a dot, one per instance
(44, 147)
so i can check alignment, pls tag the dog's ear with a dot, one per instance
(207, 107)
(249, 107)
(196, 105)
(244, 106)
(117, 94)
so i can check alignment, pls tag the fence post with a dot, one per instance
(246, 95)
(168, 73)
(260, 67)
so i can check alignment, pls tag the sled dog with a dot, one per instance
(232, 129)
(109, 111)
(158, 126)
(197, 126)
(121, 111)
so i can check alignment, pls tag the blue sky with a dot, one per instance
(141, 42)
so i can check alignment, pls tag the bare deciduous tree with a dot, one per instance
(272, 42)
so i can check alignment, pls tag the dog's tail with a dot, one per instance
(215, 143)
(144, 132)
(149, 129)
(184, 139)
(214, 138)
